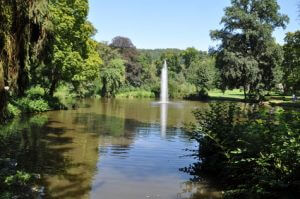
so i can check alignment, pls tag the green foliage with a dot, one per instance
(291, 64)
(113, 77)
(174, 61)
(19, 179)
(27, 105)
(23, 28)
(248, 53)
(149, 71)
(36, 92)
(191, 55)
(13, 111)
(65, 96)
(202, 74)
(155, 54)
(255, 154)
(73, 56)
(179, 88)
(135, 93)
(130, 54)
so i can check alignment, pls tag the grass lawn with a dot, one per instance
(238, 95)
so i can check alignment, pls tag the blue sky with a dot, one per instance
(170, 23)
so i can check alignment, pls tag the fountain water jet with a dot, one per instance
(164, 84)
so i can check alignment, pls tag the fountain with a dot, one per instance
(164, 99)
(164, 84)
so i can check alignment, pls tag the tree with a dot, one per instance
(189, 55)
(202, 74)
(113, 77)
(73, 53)
(130, 55)
(23, 28)
(122, 42)
(291, 64)
(149, 71)
(174, 61)
(248, 54)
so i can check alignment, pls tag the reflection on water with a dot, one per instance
(163, 118)
(111, 149)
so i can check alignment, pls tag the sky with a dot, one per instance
(152, 24)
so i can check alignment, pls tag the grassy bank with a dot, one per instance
(137, 93)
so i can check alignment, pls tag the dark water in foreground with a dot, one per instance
(118, 149)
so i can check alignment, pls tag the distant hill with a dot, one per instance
(156, 53)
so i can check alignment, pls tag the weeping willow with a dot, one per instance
(23, 31)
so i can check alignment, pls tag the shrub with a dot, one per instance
(63, 97)
(12, 111)
(27, 105)
(180, 90)
(36, 92)
(254, 154)
(136, 94)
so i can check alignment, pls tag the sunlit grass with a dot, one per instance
(228, 94)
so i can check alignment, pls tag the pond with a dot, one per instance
(116, 149)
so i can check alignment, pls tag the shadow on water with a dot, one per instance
(39, 148)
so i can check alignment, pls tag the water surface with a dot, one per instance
(119, 149)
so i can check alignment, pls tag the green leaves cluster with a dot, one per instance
(113, 77)
(74, 58)
(254, 154)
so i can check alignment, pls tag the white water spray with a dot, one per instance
(164, 84)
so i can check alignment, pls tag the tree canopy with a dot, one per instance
(248, 54)
(291, 64)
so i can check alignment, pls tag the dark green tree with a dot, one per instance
(189, 55)
(130, 55)
(291, 64)
(248, 54)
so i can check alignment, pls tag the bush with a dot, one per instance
(64, 97)
(136, 94)
(12, 111)
(36, 92)
(180, 90)
(28, 105)
(254, 154)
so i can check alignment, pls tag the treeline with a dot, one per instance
(138, 70)
(48, 57)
